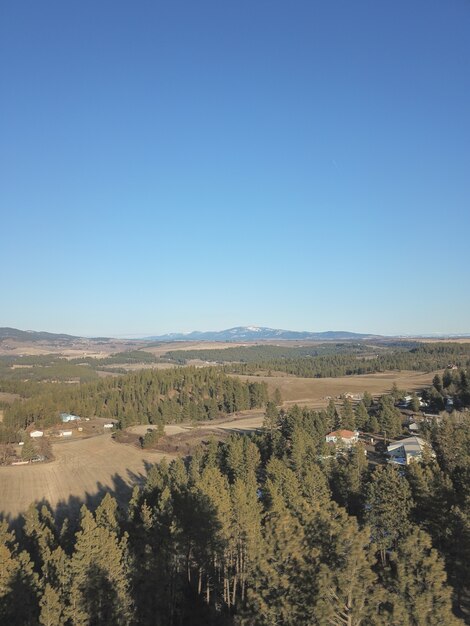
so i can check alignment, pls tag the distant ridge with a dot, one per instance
(33, 335)
(260, 333)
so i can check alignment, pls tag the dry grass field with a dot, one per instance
(439, 340)
(74, 349)
(84, 469)
(161, 349)
(315, 392)
(136, 367)
(81, 472)
(181, 439)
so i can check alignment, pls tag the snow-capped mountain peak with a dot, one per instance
(257, 333)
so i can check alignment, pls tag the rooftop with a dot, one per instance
(344, 434)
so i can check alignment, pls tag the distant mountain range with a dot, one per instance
(259, 333)
(237, 334)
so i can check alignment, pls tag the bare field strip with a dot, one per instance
(171, 346)
(170, 429)
(81, 471)
(137, 367)
(314, 392)
(443, 340)
(244, 422)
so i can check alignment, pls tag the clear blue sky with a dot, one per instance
(170, 166)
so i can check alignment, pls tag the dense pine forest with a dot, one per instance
(423, 358)
(333, 360)
(263, 530)
(147, 396)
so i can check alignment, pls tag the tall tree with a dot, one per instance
(388, 504)
(420, 581)
(347, 591)
(98, 592)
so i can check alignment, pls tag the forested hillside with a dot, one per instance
(343, 362)
(266, 530)
(148, 396)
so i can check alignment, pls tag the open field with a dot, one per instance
(77, 348)
(243, 421)
(171, 346)
(315, 392)
(135, 367)
(81, 472)
(8, 397)
(84, 469)
(181, 439)
(437, 340)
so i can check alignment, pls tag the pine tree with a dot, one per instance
(98, 592)
(235, 457)
(373, 425)
(18, 582)
(348, 419)
(28, 451)
(51, 608)
(271, 419)
(246, 536)
(106, 514)
(420, 581)
(437, 383)
(273, 596)
(347, 478)
(389, 417)
(367, 399)
(387, 509)
(362, 417)
(346, 591)
(332, 415)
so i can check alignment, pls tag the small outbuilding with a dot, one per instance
(68, 417)
(36, 433)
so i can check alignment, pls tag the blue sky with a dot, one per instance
(170, 166)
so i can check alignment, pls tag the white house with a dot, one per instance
(408, 450)
(343, 437)
(36, 433)
(68, 417)
(108, 425)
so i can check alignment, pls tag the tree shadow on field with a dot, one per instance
(120, 489)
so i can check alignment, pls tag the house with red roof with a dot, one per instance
(343, 437)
